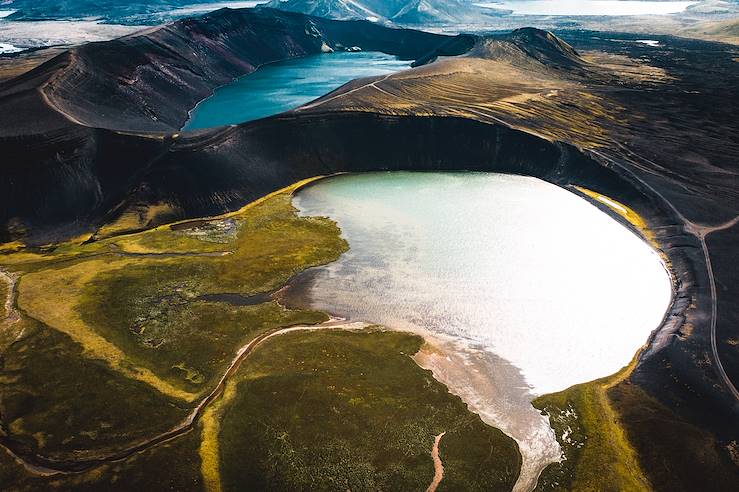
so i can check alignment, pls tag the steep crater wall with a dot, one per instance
(148, 81)
(78, 179)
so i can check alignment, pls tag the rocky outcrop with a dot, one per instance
(222, 169)
(527, 45)
(83, 177)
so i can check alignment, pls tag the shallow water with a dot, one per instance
(530, 288)
(282, 86)
(588, 7)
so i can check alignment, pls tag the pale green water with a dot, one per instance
(282, 86)
(520, 265)
(533, 288)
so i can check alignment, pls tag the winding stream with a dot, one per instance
(521, 287)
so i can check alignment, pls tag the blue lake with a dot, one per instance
(589, 7)
(282, 86)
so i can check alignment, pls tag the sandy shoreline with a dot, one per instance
(483, 384)
(481, 379)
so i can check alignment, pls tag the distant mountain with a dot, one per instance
(119, 11)
(409, 12)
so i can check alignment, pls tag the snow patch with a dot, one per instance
(9, 48)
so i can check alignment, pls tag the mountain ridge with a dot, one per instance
(403, 12)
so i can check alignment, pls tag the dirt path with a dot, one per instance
(44, 466)
(700, 231)
(438, 465)
(59, 74)
(344, 94)
(11, 313)
(714, 316)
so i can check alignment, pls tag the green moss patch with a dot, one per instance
(61, 404)
(151, 309)
(685, 458)
(338, 410)
(57, 398)
(171, 466)
(598, 455)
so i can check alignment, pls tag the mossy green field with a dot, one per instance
(119, 339)
(340, 410)
(598, 454)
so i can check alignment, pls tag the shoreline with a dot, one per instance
(467, 373)
(424, 356)
(461, 369)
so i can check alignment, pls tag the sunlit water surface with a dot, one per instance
(533, 288)
(282, 86)
(588, 7)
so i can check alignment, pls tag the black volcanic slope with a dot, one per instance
(149, 80)
(62, 121)
(93, 133)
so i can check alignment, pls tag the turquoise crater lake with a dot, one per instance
(285, 85)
